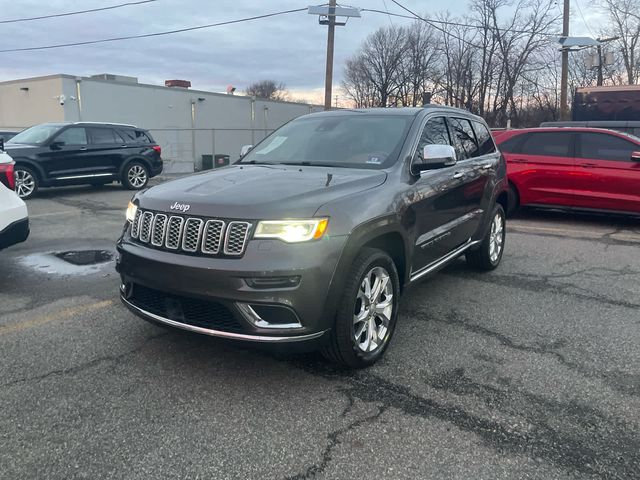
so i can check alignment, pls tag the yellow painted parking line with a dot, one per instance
(62, 315)
(574, 231)
(64, 212)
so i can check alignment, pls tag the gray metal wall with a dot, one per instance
(218, 123)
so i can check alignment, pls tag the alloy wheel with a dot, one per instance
(373, 310)
(137, 176)
(496, 238)
(25, 183)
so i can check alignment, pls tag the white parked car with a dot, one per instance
(14, 219)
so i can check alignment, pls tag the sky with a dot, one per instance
(289, 48)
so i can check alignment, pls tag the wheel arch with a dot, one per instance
(33, 165)
(134, 158)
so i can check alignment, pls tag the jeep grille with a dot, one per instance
(192, 235)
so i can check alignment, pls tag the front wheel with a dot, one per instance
(367, 311)
(488, 256)
(136, 176)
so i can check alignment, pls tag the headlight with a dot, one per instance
(292, 230)
(132, 209)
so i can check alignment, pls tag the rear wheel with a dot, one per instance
(367, 312)
(488, 256)
(136, 176)
(27, 182)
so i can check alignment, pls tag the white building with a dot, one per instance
(186, 123)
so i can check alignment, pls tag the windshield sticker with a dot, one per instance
(275, 143)
(375, 160)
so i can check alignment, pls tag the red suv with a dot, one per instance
(584, 168)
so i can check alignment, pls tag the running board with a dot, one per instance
(439, 263)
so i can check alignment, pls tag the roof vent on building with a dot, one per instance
(115, 78)
(177, 83)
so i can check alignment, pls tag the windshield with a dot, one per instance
(35, 135)
(355, 141)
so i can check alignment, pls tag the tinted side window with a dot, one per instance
(435, 132)
(73, 136)
(512, 145)
(134, 136)
(485, 140)
(549, 144)
(102, 136)
(464, 140)
(605, 147)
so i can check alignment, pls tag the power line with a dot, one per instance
(78, 12)
(455, 24)
(387, 10)
(156, 34)
(584, 20)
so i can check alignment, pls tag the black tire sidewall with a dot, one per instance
(125, 175)
(367, 260)
(36, 179)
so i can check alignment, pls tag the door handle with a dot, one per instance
(458, 175)
(518, 160)
(123, 146)
(486, 166)
(588, 165)
(83, 148)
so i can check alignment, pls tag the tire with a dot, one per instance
(135, 176)
(27, 181)
(486, 257)
(513, 200)
(343, 348)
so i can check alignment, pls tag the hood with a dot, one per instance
(14, 148)
(260, 191)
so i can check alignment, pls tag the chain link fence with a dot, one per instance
(183, 148)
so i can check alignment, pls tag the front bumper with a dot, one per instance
(183, 291)
(16, 232)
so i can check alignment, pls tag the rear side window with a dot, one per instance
(485, 140)
(605, 147)
(102, 136)
(512, 145)
(549, 144)
(464, 140)
(135, 136)
(73, 136)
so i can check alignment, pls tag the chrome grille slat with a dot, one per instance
(145, 226)
(174, 233)
(159, 229)
(135, 226)
(236, 238)
(212, 237)
(191, 234)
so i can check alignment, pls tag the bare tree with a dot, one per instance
(269, 89)
(624, 22)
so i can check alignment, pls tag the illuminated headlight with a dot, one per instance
(132, 209)
(292, 231)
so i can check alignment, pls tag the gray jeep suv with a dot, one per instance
(312, 236)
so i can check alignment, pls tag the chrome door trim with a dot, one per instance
(438, 263)
(85, 176)
(423, 240)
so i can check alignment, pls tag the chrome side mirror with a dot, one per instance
(245, 149)
(434, 156)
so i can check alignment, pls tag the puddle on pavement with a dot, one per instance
(72, 262)
(85, 257)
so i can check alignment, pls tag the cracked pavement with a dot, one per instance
(530, 371)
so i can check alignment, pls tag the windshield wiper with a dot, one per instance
(313, 164)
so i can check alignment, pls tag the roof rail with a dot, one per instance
(108, 123)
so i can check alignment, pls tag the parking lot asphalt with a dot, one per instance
(530, 371)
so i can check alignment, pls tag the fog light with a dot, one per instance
(269, 316)
(262, 283)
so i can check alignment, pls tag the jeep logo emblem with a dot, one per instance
(181, 207)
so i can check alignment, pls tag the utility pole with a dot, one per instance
(564, 79)
(600, 79)
(328, 78)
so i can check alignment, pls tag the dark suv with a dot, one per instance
(56, 154)
(313, 235)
